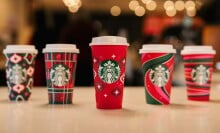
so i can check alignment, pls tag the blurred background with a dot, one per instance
(179, 22)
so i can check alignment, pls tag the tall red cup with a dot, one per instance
(157, 63)
(109, 58)
(60, 64)
(198, 68)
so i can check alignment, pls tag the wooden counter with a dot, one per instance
(182, 116)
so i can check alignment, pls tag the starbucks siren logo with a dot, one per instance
(17, 74)
(159, 75)
(60, 75)
(200, 74)
(109, 71)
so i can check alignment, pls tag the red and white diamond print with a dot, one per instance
(18, 88)
(30, 84)
(29, 57)
(116, 92)
(30, 71)
(15, 58)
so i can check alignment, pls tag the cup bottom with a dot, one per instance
(60, 98)
(52, 102)
(109, 107)
(199, 98)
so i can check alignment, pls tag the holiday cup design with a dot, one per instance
(60, 75)
(20, 70)
(60, 63)
(109, 58)
(109, 71)
(198, 67)
(157, 63)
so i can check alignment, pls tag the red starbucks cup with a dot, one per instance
(198, 68)
(60, 64)
(157, 64)
(109, 58)
(20, 71)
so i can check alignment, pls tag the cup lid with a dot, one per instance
(71, 48)
(157, 48)
(198, 50)
(17, 48)
(109, 40)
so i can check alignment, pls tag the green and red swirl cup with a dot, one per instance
(109, 58)
(198, 68)
(20, 70)
(60, 65)
(157, 64)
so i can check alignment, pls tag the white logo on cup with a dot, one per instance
(109, 71)
(159, 75)
(17, 74)
(60, 75)
(200, 74)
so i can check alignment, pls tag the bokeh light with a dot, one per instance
(168, 5)
(179, 5)
(171, 12)
(115, 11)
(152, 5)
(133, 4)
(139, 11)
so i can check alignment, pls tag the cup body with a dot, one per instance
(109, 60)
(60, 73)
(157, 69)
(198, 68)
(20, 70)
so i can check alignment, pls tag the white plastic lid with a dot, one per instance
(109, 40)
(198, 50)
(71, 48)
(157, 48)
(20, 49)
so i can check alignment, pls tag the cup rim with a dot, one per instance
(109, 40)
(162, 48)
(198, 50)
(20, 48)
(61, 48)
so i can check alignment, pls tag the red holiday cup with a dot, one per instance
(198, 68)
(109, 58)
(20, 70)
(157, 63)
(60, 64)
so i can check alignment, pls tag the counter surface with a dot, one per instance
(181, 116)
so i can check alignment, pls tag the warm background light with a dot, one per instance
(191, 12)
(168, 5)
(171, 12)
(189, 4)
(73, 5)
(152, 5)
(139, 11)
(146, 1)
(179, 5)
(115, 11)
(133, 4)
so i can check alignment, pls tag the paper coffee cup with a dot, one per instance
(20, 70)
(60, 64)
(198, 69)
(157, 63)
(109, 58)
